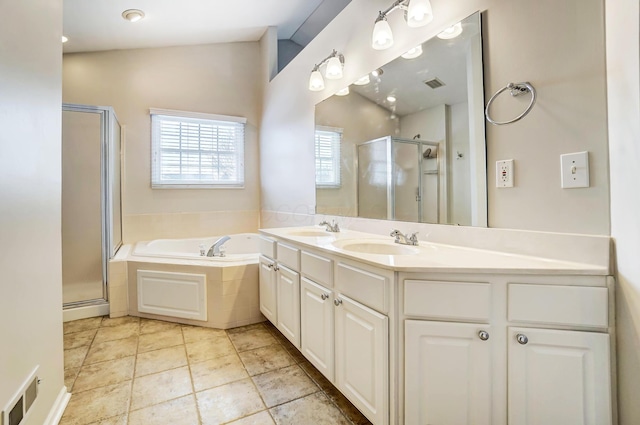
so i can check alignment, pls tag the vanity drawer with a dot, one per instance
(363, 286)
(319, 269)
(559, 305)
(468, 301)
(268, 247)
(288, 255)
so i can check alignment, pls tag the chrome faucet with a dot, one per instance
(214, 251)
(330, 227)
(404, 239)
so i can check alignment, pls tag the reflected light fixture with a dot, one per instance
(417, 13)
(377, 72)
(343, 92)
(413, 53)
(333, 71)
(65, 39)
(364, 80)
(391, 99)
(133, 15)
(451, 32)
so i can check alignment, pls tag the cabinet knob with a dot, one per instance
(337, 302)
(275, 268)
(324, 296)
(483, 335)
(270, 266)
(522, 339)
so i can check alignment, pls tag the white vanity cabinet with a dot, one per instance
(268, 289)
(317, 326)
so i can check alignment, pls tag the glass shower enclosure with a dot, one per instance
(91, 202)
(400, 179)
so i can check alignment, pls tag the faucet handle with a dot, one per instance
(335, 226)
(414, 238)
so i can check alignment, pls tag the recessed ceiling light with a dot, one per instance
(65, 39)
(133, 15)
(413, 53)
(451, 32)
(362, 80)
(391, 99)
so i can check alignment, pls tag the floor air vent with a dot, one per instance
(18, 408)
(434, 83)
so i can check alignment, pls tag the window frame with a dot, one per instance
(336, 157)
(156, 151)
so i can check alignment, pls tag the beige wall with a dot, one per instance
(559, 48)
(623, 71)
(219, 79)
(30, 184)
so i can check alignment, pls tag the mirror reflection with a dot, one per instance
(406, 141)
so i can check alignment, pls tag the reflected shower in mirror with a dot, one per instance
(406, 142)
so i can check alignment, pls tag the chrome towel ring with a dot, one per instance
(516, 89)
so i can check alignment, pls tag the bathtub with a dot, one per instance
(241, 247)
(168, 279)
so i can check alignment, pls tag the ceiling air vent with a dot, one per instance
(434, 83)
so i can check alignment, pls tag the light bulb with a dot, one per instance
(419, 13)
(362, 80)
(334, 69)
(413, 53)
(451, 32)
(316, 82)
(382, 37)
(343, 92)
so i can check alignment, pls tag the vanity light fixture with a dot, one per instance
(65, 39)
(362, 81)
(334, 63)
(133, 15)
(451, 32)
(413, 53)
(417, 13)
(343, 92)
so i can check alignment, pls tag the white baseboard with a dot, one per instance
(85, 312)
(55, 414)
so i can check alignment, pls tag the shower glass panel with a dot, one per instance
(373, 179)
(406, 181)
(91, 214)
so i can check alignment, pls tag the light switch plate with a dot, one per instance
(574, 169)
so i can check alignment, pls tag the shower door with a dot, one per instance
(91, 217)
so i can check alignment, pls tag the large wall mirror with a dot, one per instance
(406, 141)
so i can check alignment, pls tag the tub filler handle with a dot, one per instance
(215, 250)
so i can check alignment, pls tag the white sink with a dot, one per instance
(310, 233)
(375, 247)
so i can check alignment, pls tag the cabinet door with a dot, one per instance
(268, 296)
(316, 319)
(362, 358)
(559, 377)
(288, 306)
(447, 373)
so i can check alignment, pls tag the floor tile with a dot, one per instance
(157, 340)
(316, 376)
(345, 406)
(159, 387)
(262, 418)
(229, 402)
(116, 420)
(112, 350)
(70, 376)
(111, 333)
(283, 385)
(148, 326)
(314, 409)
(73, 358)
(161, 360)
(198, 333)
(216, 372)
(107, 321)
(79, 339)
(95, 405)
(251, 337)
(104, 374)
(181, 411)
(82, 325)
(209, 349)
(265, 359)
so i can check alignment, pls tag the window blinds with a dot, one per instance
(327, 145)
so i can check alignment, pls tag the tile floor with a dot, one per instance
(138, 371)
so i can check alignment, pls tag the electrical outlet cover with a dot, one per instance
(504, 173)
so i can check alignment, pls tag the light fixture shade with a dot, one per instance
(382, 37)
(364, 80)
(334, 69)
(343, 92)
(413, 53)
(419, 13)
(133, 15)
(316, 82)
(451, 32)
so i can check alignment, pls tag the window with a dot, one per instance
(328, 142)
(193, 150)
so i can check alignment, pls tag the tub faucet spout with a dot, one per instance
(214, 251)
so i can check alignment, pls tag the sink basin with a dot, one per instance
(310, 233)
(376, 247)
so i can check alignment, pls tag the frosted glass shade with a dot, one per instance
(419, 13)
(362, 80)
(413, 53)
(316, 82)
(451, 32)
(382, 37)
(343, 92)
(334, 69)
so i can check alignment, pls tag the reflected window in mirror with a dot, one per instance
(328, 143)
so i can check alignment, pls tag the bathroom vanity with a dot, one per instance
(440, 334)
